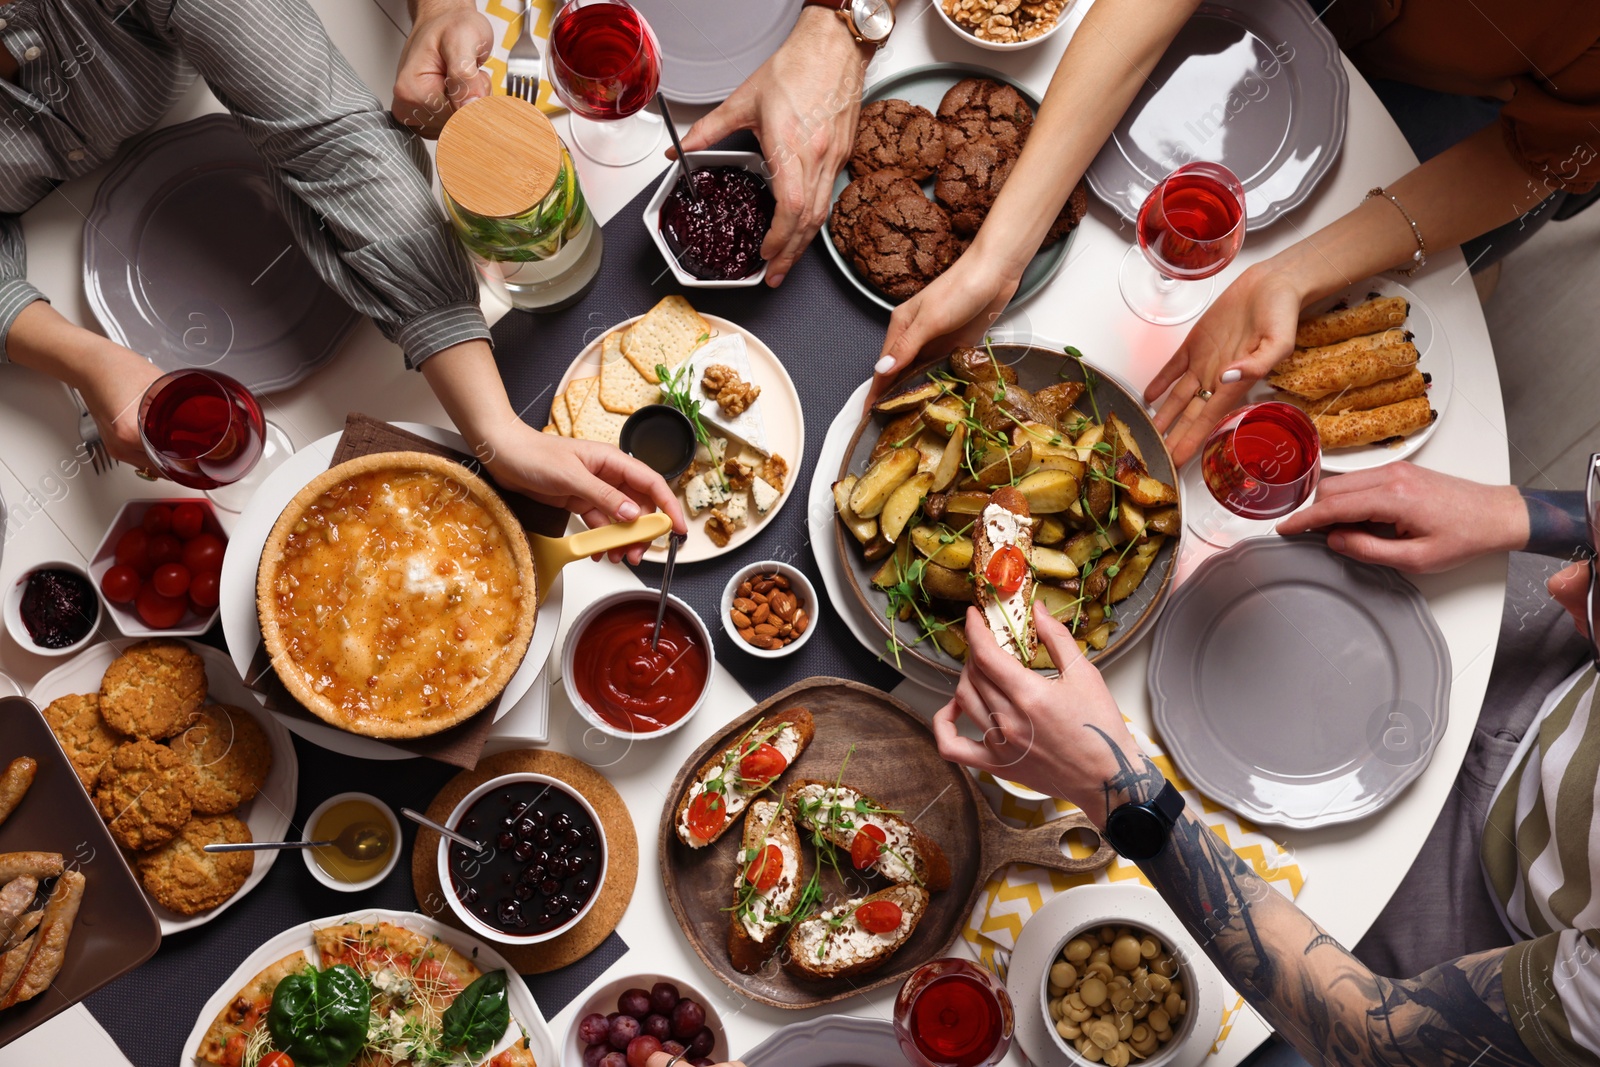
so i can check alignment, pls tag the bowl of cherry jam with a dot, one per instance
(710, 225)
(52, 610)
(543, 862)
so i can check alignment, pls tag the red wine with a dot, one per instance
(956, 1021)
(1263, 461)
(1191, 226)
(605, 61)
(202, 429)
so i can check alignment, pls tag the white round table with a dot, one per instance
(59, 508)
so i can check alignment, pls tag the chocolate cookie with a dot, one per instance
(897, 135)
(968, 182)
(896, 237)
(977, 109)
(1072, 213)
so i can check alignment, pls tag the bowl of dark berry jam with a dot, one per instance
(709, 225)
(542, 865)
(53, 609)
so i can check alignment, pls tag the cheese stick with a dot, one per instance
(1378, 313)
(1303, 357)
(1326, 376)
(1406, 387)
(1379, 424)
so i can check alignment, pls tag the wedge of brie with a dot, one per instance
(749, 426)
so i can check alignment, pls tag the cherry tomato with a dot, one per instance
(171, 579)
(865, 845)
(188, 520)
(1006, 570)
(159, 612)
(764, 870)
(233, 1051)
(707, 815)
(879, 916)
(276, 1059)
(762, 765)
(133, 550)
(165, 548)
(157, 519)
(120, 584)
(204, 591)
(203, 552)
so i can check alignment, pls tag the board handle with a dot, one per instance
(1043, 845)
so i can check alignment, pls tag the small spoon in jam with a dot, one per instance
(683, 157)
(360, 841)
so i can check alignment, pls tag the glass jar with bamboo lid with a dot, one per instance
(512, 194)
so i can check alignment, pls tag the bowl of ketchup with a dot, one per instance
(622, 686)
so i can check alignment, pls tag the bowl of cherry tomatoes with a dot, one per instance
(159, 566)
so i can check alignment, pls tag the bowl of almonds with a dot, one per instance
(769, 609)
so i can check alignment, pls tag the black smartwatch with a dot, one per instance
(1140, 831)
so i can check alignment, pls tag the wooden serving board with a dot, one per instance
(892, 758)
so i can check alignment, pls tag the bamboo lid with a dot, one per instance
(498, 156)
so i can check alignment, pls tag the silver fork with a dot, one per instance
(89, 432)
(523, 62)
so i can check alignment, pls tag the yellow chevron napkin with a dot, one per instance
(1012, 896)
(505, 17)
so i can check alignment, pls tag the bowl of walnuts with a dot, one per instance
(1003, 25)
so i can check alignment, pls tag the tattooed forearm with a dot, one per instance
(1134, 781)
(1318, 996)
(1556, 523)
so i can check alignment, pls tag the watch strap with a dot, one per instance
(1164, 808)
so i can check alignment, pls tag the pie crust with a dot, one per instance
(396, 595)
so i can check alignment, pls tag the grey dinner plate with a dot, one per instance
(709, 46)
(188, 260)
(1256, 85)
(925, 87)
(1296, 686)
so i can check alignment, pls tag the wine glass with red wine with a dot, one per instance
(1260, 463)
(605, 64)
(953, 1013)
(1190, 228)
(206, 431)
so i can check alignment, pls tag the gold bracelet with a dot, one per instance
(1420, 256)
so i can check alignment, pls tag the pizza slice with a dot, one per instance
(224, 1043)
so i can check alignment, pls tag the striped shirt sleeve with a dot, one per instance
(350, 180)
(15, 291)
(1552, 989)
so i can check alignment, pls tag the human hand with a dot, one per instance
(1238, 340)
(1439, 521)
(599, 483)
(441, 64)
(802, 104)
(1062, 736)
(112, 388)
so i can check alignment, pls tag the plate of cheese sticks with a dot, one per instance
(1372, 368)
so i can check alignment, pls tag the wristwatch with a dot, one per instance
(869, 21)
(1140, 831)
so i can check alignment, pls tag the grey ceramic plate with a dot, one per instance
(1255, 85)
(709, 46)
(1296, 686)
(1036, 368)
(188, 260)
(830, 1040)
(925, 87)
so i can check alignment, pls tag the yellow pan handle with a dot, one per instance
(550, 554)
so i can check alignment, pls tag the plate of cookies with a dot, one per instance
(747, 414)
(176, 754)
(934, 145)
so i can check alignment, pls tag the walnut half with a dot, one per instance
(731, 392)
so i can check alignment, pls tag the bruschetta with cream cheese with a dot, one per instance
(726, 783)
(767, 884)
(1002, 541)
(855, 937)
(878, 840)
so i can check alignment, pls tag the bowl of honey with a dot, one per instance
(361, 818)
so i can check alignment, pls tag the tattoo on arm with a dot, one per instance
(1557, 525)
(1318, 996)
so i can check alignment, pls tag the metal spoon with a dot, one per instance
(438, 828)
(360, 841)
(666, 583)
(683, 157)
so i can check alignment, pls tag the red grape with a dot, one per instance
(688, 1018)
(120, 584)
(672, 1048)
(159, 612)
(188, 520)
(634, 1002)
(640, 1049)
(703, 1043)
(165, 548)
(613, 1059)
(171, 579)
(624, 1028)
(205, 591)
(664, 997)
(203, 552)
(157, 519)
(593, 1054)
(133, 550)
(593, 1029)
(658, 1026)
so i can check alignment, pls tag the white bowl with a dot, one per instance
(13, 609)
(575, 639)
(604, 1001)
(316, 868)
(105, 557)
(1000, 46)
(477, 925)
(750, 161)
(799, 585)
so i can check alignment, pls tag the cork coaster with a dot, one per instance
(622, 855)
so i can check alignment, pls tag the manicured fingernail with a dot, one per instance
(884, 365)
(1231, 376)
(628, 511)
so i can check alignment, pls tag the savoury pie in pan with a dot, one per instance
(396, 594)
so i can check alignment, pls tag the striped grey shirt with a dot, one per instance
(351, 182)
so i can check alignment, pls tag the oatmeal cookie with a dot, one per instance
(897, 135)
(231, 756)
(153, 689)
(968, 182)
(145, 794)
(183, 877)
(982, 109)
(1072, 213)
(894, 235)
(83, 734)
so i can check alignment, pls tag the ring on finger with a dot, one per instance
(1204, 394)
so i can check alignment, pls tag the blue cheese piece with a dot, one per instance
(749, 427)
(737, 509)
(763, 495)
(704, 492)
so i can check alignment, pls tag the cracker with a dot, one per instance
(667, 333)
(622, 388)
(560, 417)
(595, 423)
(578, 391)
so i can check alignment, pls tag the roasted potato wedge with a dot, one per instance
(1049, 492)
(876, 549)
(930, 450)
(1133, 569)
(1098, 580)
(864, 530)
(1051, 450)
(933, 506)
(976, 365)
(1088, 439)
(911, 397)
(1140, 487)
(1058, 601)
(894, 566)
(1125, 439)
(1098, 492)
(1052, 563)
(1100, 636)
(1131, 519)
(967, 502)
(1042, 660)
(942, 583)
(952, 638)
(1085, 546)
(1050, 531)
(897, 434)
(873, 489)
(1000, 408)
(943, 416)
(949, 466)
(943, 547)
(1058, 399)
(1164, 521)
(903, 503)
(1002, 470)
